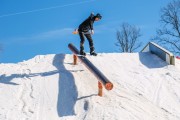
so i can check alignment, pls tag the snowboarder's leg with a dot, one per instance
(82, 43)
(91, 44)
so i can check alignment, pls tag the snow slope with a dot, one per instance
(49, 87)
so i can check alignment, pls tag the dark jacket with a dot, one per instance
(87, 24)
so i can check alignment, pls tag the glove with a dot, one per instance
(92, 32)
(75, 31)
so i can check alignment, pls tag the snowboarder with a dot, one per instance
(86, 29)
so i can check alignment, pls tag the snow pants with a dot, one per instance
(90, 40)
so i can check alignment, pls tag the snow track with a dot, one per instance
(49, 87)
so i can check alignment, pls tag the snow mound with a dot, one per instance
(49, 87)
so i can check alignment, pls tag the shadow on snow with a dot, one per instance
(67, 95)
(151, 60)
(67, 89)
(8, 79)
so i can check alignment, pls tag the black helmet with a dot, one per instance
(98, 16)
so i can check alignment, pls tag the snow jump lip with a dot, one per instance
(100, 76)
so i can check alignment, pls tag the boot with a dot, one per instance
(93, 53)
(82, 50)
(82, 53)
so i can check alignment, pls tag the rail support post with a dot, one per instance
(100, 89)
(74, 59)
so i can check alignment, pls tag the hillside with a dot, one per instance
(49, 87)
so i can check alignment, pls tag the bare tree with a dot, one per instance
(128, 38)
(169, 33)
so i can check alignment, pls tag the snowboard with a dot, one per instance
(86, 54)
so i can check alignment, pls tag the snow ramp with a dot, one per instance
(50, 87)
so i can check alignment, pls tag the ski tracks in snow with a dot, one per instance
(26, 96)
(157, 90)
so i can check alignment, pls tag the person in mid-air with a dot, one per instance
(86, 29)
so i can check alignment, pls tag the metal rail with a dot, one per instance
(100, 76)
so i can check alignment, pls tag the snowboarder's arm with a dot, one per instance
(91, 25)
(91, 20)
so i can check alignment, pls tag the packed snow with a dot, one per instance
(50, 87)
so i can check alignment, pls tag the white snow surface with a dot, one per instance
(50, 87)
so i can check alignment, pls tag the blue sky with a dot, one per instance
(30, 28)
